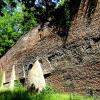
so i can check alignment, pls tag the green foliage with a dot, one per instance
(62, 2)
(12, 25)
(17, 94)
(23, 94)
(29, 20)
(67, 13)
(48, 90)
(10, 29)
(62, 19)
(65, 8)
(18, 84)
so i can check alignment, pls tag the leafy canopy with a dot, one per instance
(12, 26)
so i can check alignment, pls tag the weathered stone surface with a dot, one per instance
(76, 66)
(13, 77)
(3, 79)
(35, 77)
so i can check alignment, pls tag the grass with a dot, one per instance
(47, 94)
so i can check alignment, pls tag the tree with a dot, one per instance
(12, 24)
(10, 29)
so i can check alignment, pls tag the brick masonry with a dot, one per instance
(76, 65)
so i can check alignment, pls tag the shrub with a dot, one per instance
(18, 84)
(48, 90)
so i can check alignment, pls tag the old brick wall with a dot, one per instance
(83, 23)
(76, 65)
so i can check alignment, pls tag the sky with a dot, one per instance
(39, 3)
